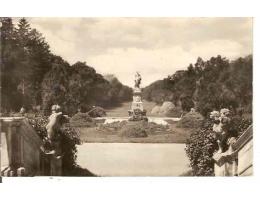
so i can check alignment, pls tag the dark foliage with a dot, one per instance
(97, 112)
(31, 76)
(208, 85)
(200, 148)
(69, 139)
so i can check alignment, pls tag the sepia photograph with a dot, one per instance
(126, 96)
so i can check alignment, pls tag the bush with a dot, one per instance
(191, 120)
(69, 139)
(200, 148)
(82, 119)
(134, 129)
(97, 112)
(167, 109)
(175, 112)
(156, 110)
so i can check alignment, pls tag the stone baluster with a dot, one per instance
(14, 141)
(225, 163)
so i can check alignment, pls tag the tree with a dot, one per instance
(186, 103)
(34, 58)
(54, 85)
(212, 84)
(9, 80)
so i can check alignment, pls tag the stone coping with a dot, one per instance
(9, 119)
(244, 138)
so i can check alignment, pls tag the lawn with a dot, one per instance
(172, 135)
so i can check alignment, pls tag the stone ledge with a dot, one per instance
(244, 138)
(226, 157)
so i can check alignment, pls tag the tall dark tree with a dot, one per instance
(9, 80)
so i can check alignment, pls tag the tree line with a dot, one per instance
(208, 85)
(35, 78)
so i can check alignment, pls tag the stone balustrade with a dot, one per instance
(22, 150)
(238, 159)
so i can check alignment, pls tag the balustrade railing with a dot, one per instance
(22, 150)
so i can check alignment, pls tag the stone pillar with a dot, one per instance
(14, 148)
(226, 167)
(56, 166)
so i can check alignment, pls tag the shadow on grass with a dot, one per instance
(114, 105)
(80, 172)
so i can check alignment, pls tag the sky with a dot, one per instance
(155, 47)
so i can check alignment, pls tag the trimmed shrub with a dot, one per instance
(191, 120)
(134, 129)
(82, 119)
(175, 112)
(167, 109)
(156, 110)
(97, 112)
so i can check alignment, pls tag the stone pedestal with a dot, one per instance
(225, 164)
(137, 111)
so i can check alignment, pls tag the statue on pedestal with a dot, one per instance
(22, 111)
(221, 119)
(137, 112)
(138, 79)
(53, 131)
(225, 157)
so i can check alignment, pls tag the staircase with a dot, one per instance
(22, 150)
